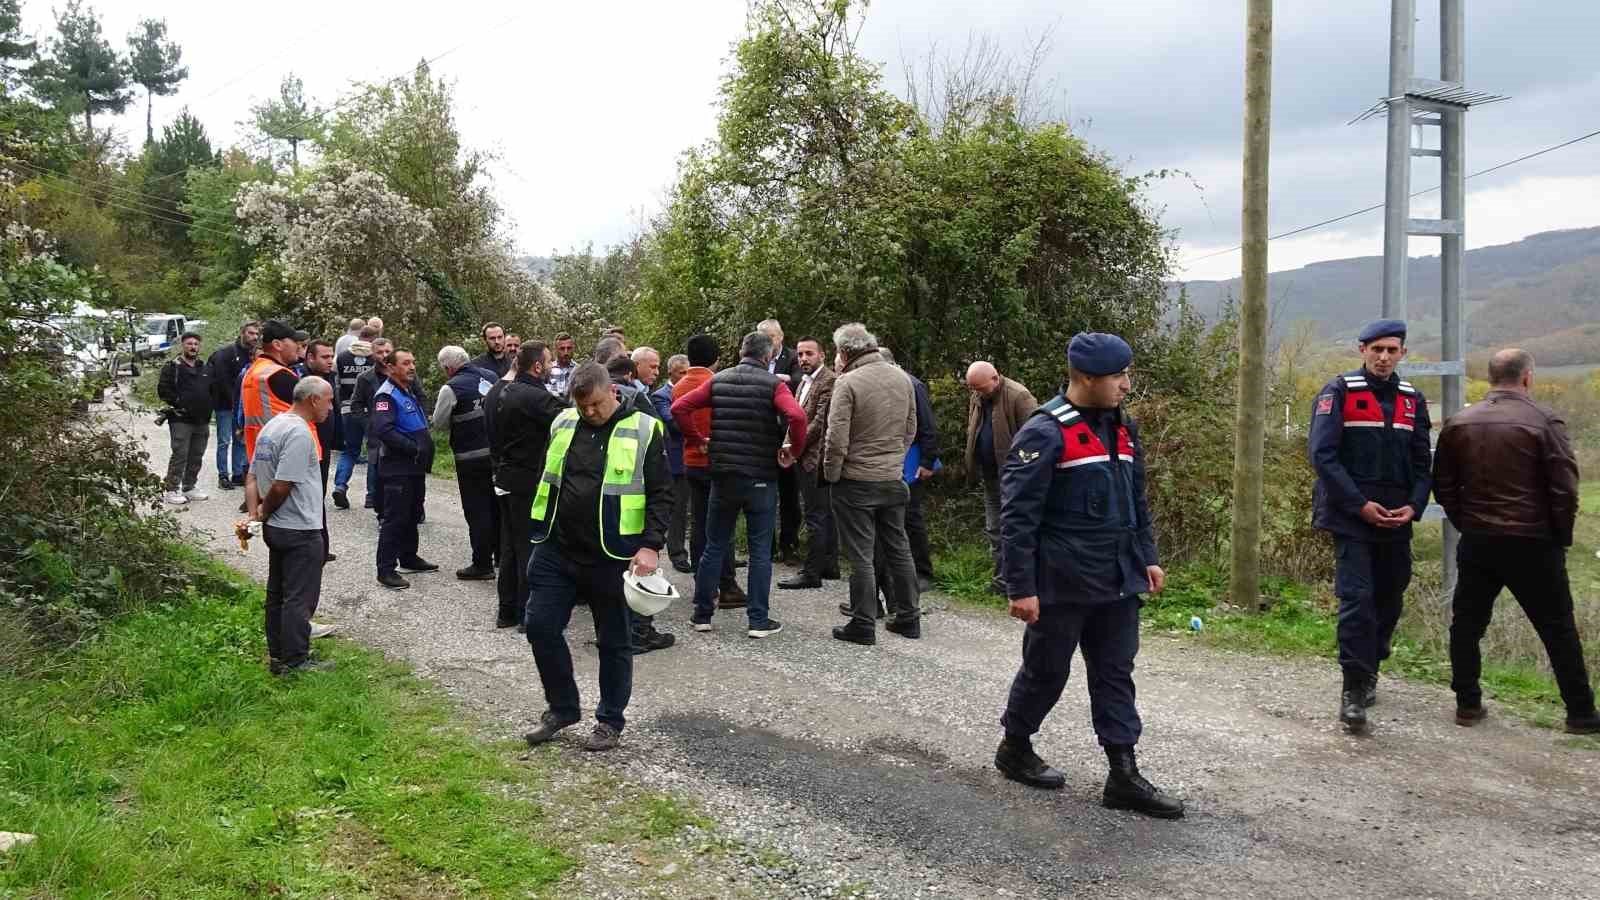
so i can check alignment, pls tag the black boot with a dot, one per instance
(1016, 760)
(1369, 692)
(1127, 789)
(1352, 704)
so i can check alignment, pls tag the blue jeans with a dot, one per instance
(229, 442)
(355, 430)
(758, 500)
(555, 586)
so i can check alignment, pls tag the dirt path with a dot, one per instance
(867, 771)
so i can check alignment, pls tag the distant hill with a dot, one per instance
(1542, 292)
(537, 266)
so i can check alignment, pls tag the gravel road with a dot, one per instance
(853, 771)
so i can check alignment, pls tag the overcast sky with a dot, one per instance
(588, 105)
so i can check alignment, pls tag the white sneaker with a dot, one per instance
(196, 495)
(319, 630)
(175, 498)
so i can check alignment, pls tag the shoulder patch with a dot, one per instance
(381, 405)
(1325, 405)
(1026, 457)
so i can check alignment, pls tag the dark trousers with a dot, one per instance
(403, 496)
(865, 512)
(1109, 637)
(678, 525)
(375, 478)
(788, 509)
(699, 510)
(189, 440)
(1536, 573)
(515, 548)
(327, 545)
(730, 496)
(475, 482)
(917, 531)
(822, 551)
(1370, 580)
(294, 582)
(555, 586)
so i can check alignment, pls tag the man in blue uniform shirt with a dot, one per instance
(1369, 445)
(1077, 550)
(401, 428)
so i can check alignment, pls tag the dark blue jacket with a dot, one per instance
(1074, 522)
(1368, 441)
(662, 400)
(401, 427)
(927, 442)
(469, 431)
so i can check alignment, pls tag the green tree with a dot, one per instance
(222, 254)
(289, 118)
(13, 49)
(184, 147)
(80, 71)
(154, 64)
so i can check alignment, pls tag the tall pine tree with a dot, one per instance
(154, 64)
(80, 71)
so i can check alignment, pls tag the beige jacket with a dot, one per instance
(872, 421)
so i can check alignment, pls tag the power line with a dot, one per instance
(1377, 206)
(152, 202)
(146, 212)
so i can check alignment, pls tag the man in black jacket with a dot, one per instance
(185, 386)
(518, 413)
(496, 357)
(590, 528)
(225, 365)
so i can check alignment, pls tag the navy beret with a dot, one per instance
(1096, 353)
(1383, 328)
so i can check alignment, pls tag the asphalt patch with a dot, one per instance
(957, 819)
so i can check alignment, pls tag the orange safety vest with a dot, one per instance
(260, 404)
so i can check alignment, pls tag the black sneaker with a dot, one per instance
(418, 565)
(863, 636)
(700, 624)
(801, 582)
(1468, 716)
(604, 737)
(549, 725)
(223, 484)
(652, 640)
(392, 581)
(474, 573)
(682, 565)
(341, 500)
(772, 627)
(506, 622)
(911, 629)
(732, 598)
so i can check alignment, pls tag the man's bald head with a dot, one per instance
(983, 379)
(1511, 368)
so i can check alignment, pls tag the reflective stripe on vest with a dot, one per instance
(1080, 446)
(623, 478)
(259, 403)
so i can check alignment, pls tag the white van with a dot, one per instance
(161, 334)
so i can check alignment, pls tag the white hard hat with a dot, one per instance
(648, 595)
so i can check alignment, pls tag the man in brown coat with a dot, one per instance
(872, 420)
(996, 408)
(1507, 478)
(814, 390)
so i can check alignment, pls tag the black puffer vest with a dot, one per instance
(746, 430)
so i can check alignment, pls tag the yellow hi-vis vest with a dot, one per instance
(622, 494)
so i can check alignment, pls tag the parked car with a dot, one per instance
(161, 334)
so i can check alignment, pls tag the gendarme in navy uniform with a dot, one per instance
(1369, 446)
(1077, 550)
(401, 428)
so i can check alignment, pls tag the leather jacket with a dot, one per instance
(1504, 468)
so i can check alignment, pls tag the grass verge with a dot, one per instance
(1301, 622)
(163, 759)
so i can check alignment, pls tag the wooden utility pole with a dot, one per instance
(1250, 420)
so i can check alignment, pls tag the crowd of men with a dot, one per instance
(576, 475)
